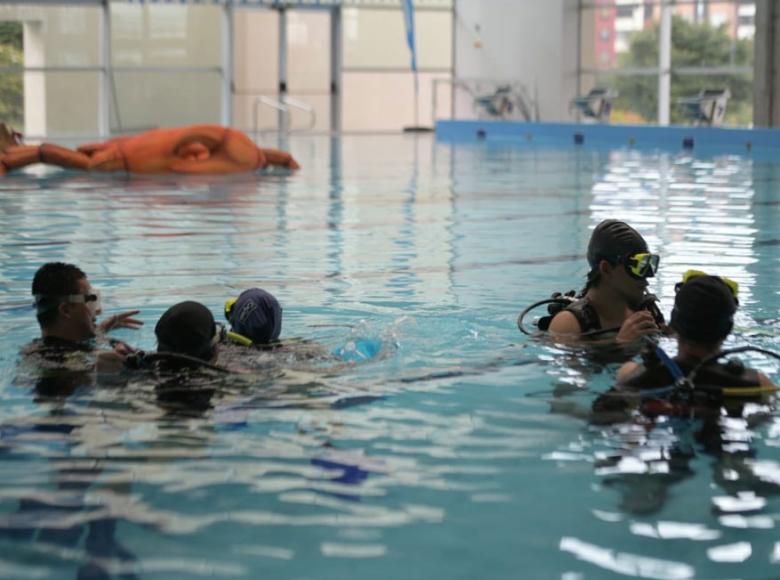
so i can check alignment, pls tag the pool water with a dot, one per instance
(461, 449)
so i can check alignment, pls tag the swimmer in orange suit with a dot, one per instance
(197, 149)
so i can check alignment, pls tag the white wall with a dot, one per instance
(534, 41)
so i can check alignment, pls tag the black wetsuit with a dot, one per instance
(589, 321)
(706, 394)
(586, 315)
(59, 366)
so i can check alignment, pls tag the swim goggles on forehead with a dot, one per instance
(643, 265)
(44, 302)
(733, 285)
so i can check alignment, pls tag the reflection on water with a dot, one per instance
(462, 450)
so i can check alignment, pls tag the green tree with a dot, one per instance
(11, 86)
(11, 34)
(693, 45)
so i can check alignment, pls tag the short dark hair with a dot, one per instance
(55, 279)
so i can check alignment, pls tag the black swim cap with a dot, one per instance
(186, 328)
(704, 310)
(612, 239)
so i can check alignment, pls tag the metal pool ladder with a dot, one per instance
(283, 106)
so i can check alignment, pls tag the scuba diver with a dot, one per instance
(702, 403)
(255, 319)
(196, 149)
(615, 299)
(187, 349)
(695, 379)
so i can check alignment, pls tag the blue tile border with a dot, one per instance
(614, 136)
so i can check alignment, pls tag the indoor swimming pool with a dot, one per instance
(459, 448)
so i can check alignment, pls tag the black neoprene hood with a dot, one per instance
(612, 239)
(704, 310)
(186, 328)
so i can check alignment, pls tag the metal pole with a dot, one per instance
(454, 49)
(434, 100)
(665, 64)
(104, 91)
(283, 115)
(227, 64)
(335, 69)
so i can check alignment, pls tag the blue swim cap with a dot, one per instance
(257, 315)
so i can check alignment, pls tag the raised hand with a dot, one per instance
(121, 320)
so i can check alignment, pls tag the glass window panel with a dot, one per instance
(50, 104)
(637, 100)
(256, 52)
(717, 36)
(12, 97)
(720, 36)
(377, 39)
(146, 100)
(308, 45)
(384, 101)
(739, 111)
(57, 35)
(256, 32)
(166, 35)
(618, 35)
(434, 39)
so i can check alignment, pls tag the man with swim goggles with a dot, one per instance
(67, 308)
(615, 295)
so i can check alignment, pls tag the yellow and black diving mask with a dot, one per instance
(643, 265)
(733, 285)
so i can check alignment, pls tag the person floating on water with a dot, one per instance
(196, 149)
(67, 307)
(695, 379)
(615, 295)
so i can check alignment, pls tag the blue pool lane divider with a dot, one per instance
(567, 134)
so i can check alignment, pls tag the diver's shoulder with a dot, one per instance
(565, 323)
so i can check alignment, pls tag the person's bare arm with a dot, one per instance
(627, 370)
(110, 362)
(565, 326)
(18, 156)
(280, 158)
